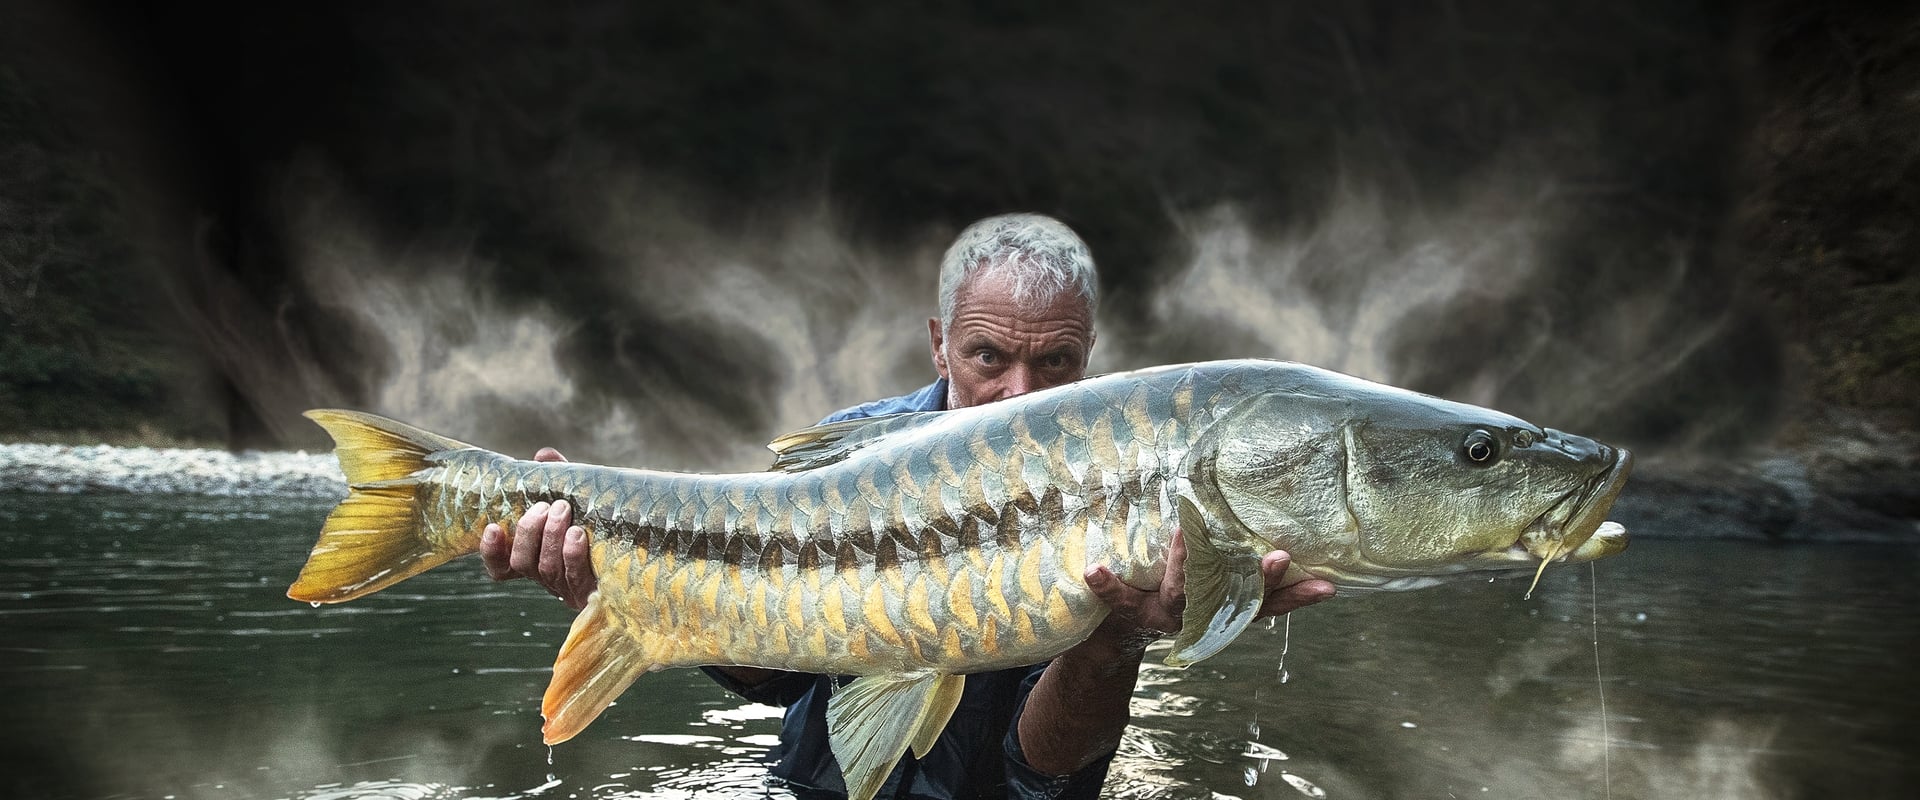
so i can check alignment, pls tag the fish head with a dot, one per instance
(1375, 487)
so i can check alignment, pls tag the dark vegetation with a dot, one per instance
(145, 157)
(79, 352)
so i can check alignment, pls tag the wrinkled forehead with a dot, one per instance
(1006, 288)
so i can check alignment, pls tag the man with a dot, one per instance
(1017, 300)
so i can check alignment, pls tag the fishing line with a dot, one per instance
(1606, 738)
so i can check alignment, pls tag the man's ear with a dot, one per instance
(939, 346)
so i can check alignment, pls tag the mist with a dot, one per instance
(707, 338)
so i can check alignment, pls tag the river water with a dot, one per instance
(150, 652)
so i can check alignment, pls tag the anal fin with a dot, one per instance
(875, 719)
(598, 662)
(1224, 592)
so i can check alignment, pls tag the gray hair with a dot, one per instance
(1041, 254)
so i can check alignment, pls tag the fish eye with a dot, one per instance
(1479, 447)
(1523, 439)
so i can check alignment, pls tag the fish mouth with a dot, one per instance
(1576, 528)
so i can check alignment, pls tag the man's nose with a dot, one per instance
(1019, 380)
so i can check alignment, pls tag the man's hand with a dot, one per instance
(1142, 615)
(1078, 709)
(546, 547)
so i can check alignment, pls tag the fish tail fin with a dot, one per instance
(375, 538)
(598, 662)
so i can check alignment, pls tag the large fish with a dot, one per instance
(913, 549)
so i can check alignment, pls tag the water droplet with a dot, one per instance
(1272, 621)
(1253, 729)
(315, 604)
(1252, 775)
(1408, 725)
(1285, 675)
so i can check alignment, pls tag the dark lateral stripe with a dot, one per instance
(1007, 533)
(857, 527)
(1025, 502)
(942, 525)
(697, 542)
(773, 555)
(968, 538)
(740, 548)
(885, 555)
(644, 536)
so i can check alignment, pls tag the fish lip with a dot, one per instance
(1567, 525)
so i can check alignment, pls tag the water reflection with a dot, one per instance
(150, 651)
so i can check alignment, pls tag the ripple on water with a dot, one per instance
(386, 790)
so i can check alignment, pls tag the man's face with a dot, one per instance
(995, 348)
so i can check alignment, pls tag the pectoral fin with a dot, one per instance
(873, 721)
(1224, 592)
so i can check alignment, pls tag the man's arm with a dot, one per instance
(547, 548)
(1078, 709)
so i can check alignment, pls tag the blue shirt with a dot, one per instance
(931, 397)
(975, 754)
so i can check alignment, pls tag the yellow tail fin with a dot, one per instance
(374, 538)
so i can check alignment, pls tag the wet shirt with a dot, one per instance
(977, 755)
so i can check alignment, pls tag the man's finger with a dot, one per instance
(1133, 608)
(548, 454)
(553, 547)
(1273, 568)
(527, 540)
(494, 552)
(1111, 590)
(579, 566)
(1295, 597)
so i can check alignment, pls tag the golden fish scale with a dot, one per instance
(963, 555)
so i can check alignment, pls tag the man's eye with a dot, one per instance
(987, 357)
(1055, 361)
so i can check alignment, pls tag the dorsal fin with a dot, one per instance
(820, 445)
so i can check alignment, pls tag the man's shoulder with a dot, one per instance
(932, 397)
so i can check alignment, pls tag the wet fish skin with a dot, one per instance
(917, 548)
(856, 567)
